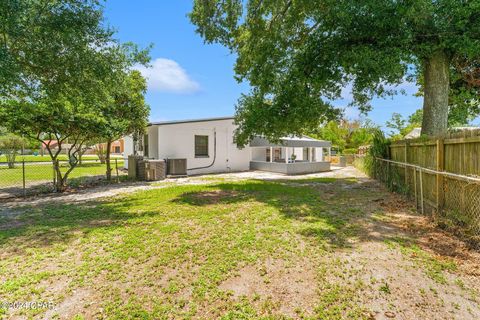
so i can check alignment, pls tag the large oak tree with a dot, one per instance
(298, 55)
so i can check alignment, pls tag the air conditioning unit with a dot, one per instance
(177, 167)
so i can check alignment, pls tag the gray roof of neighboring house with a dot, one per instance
(189, 121)
(417, 132)
(293, 141)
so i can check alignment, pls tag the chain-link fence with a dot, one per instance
(25, 177)
(453, 200)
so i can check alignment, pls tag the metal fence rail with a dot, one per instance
(452, 199)
(22, 177)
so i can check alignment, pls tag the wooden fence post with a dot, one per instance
(441, 168)
(421, 191)
(415, 186)
(406, 168)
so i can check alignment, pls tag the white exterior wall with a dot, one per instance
(319, 154)
(178, 141)
(152, 132)
(259, 154)
(127, 149)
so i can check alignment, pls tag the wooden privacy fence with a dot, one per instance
(442, 176)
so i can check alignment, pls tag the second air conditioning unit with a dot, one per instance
(177, 167)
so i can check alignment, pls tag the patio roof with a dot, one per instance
(297, 142)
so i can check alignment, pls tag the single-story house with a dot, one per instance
(208, 147)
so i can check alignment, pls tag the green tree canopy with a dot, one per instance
(347, 135)
(46, 45)
(298, 55)
(401, 126)
(61, 65)
(126, 112)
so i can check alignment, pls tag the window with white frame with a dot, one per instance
(201, 146)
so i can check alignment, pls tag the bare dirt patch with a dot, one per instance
(74, 304)
(397, 287)
(290, 286)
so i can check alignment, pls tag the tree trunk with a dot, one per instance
(436, 90)
(60, 181)
(107, 158)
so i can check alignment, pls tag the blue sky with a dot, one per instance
(190, 79)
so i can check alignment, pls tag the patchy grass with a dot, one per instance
(225, 249)
(432, 266)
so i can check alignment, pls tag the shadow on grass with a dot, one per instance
(296, 199)
(327, 214)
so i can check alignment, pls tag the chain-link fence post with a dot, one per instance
(24, 180)
(116, 169)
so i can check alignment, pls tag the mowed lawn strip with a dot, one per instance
(231, 250)
(46, 158)
(44, 172)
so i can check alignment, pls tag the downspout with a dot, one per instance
(214, 153)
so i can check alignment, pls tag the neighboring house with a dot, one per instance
(53, 146)
(417, 132)
(208, 146)
(117, 146)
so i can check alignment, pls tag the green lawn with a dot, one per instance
(44, 172)
(46, 158)
(224, 249)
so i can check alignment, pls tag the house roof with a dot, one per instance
(161, 123)
(293, 141)
(417, 132)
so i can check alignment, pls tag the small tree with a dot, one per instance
(128, 112)
(346, 135)
(56, 65)
(101, 151)
(10, 145)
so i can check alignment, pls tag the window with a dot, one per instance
(117, 149)
(201, 146)
(306, 154)
(277, 154)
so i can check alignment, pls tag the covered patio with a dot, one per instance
(292, 155)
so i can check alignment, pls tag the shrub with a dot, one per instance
(10, 145)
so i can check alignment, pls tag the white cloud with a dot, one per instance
(168, 76)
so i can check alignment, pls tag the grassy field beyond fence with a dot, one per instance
(46, 158)
(39, 173)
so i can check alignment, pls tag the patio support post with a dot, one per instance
(286, 154)
(310, 154)
(271, 154)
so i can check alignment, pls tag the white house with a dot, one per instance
(208, 147)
